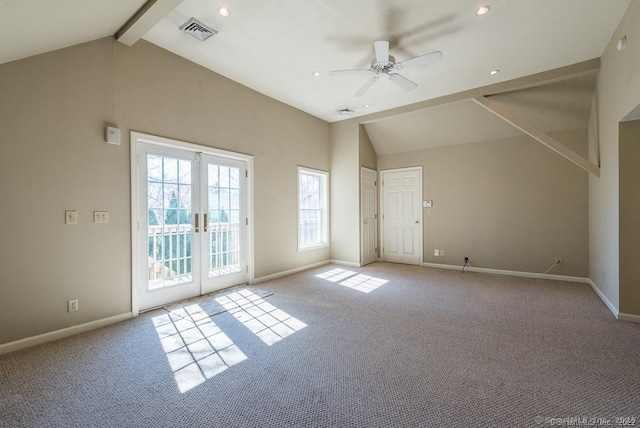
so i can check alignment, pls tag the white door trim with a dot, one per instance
(375, 229)
(381, 209)
(138, 137)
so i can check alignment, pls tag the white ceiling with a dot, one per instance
(274, 46)
(553, 107)
(31, 27)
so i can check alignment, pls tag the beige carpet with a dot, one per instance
(380, 346)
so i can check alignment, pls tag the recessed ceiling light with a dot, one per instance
(224, 11)
(316, 74)
(365, 105)
(494, 72)
(483, 10)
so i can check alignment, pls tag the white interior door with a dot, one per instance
(369, 217)
(191, 224)
(402, 216)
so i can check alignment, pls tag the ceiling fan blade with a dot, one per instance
(426, 59)
(382, 50)
(402, 81)
(369, 83)
(354, 71)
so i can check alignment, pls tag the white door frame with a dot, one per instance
(138, 137)
(375, 229)
(381, 209)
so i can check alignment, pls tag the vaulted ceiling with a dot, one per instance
(274, 48)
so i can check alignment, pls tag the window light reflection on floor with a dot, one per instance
(364, 283)
(264, 320)
(196, 348)
(335, 275)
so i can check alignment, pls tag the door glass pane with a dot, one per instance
(223, 220)
(169, 234)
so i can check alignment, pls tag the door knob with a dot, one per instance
(417, 221)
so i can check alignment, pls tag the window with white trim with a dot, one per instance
(312, 208)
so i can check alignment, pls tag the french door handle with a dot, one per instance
(206, 223)
(197, 224)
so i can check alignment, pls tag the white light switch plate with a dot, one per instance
(101, 216)
(71, 217)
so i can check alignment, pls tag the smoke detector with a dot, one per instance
(197, 29)
(345, 111)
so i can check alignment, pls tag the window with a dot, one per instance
(312, 209)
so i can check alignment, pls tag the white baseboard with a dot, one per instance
(629, 317)
(289, 272)
(343, 263)
(512, 273)
(606, 301)
(62, 333)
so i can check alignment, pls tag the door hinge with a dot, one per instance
(246, 174)
(375, 216)
(247, 269)
(375, 183)
(246, 221)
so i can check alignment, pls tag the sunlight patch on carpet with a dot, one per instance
(364, 283)
(196, 348)
(336, 275)
(263, 319)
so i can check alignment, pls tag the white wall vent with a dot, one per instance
(197, 29)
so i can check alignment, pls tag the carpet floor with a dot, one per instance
(379, 346)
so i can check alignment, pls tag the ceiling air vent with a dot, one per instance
(345, 111)
(197, 29)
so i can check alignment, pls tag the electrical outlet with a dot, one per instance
(72, 305)
(559, 261)
(436, 253)
(101, 216)
(441, 253)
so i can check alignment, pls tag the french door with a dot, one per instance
(191, 225)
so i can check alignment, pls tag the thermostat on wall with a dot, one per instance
(427, 203)
(113, 135)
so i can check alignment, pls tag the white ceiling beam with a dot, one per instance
(538, 79)
(538, 135)
(149, 15)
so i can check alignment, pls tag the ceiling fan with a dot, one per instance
(385, 64)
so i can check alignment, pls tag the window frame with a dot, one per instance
(324, 208)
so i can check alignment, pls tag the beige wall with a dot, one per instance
(368, 157)
(508, 204)
(629, 216)
(345, 192)
(618, 92)
(53, 157)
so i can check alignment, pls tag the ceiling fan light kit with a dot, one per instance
(385, 64)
